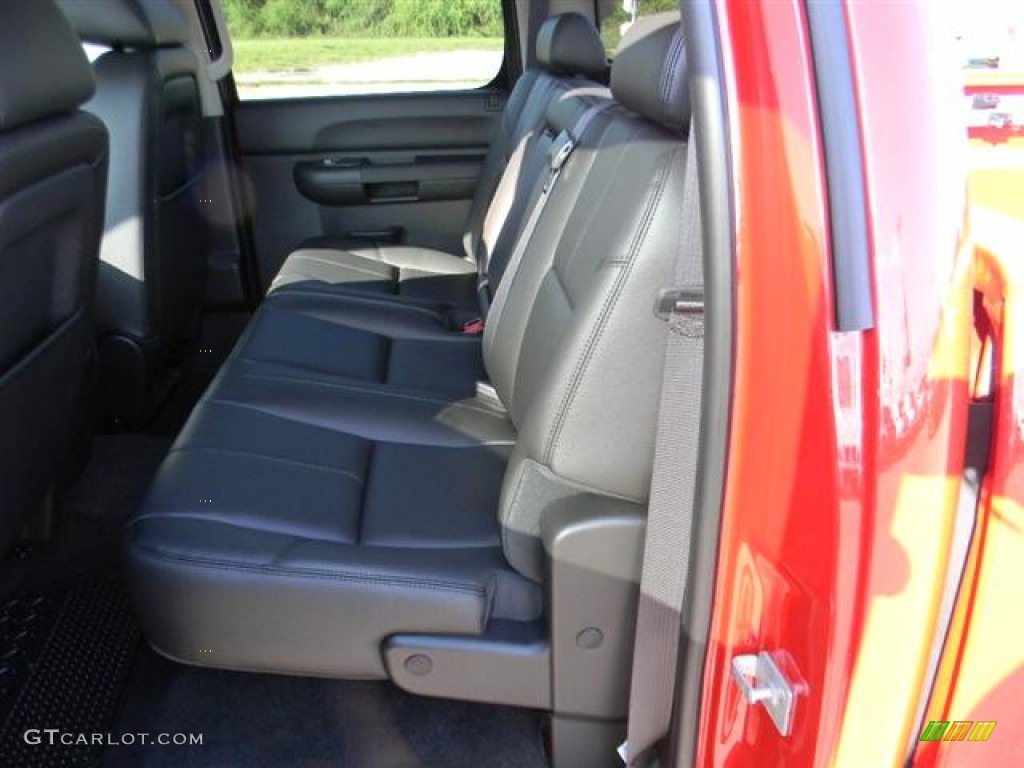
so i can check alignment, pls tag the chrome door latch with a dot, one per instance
(772, 680)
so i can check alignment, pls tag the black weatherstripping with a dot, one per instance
(209, 24)
(848, 217)
(710, 121)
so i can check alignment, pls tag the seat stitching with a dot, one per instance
(616, 161)
(671, 74)
(340, 265)
(344, 298)
(378, 258)
(356, 325)
(264, 457)
(512, 505)
(211, 518)
(301, 573)
(371, 455)
(355, 434)
(367, 390)
(654, 199)
(313, 257)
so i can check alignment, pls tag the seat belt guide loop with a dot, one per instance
(679, 301)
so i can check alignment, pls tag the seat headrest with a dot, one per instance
(138, 24)
(569, 44)
(649, 71)
(43, 70)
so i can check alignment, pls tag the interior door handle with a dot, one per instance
(330, 182)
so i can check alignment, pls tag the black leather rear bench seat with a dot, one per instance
(416, 343)
(328, 313)
(310, 511)
(363, 341)
(569, 51)
(293, 527)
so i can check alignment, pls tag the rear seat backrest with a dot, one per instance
(577, 355)
(569, 52)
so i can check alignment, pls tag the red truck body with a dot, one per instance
(845, 534)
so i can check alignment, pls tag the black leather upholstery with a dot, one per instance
(53, 165)
(153, 258)
(405, 271)
(45, 71)
(337, 515)
(654, 86)
(346, 477)
(569, 44)
(365, 339)
(569, 51)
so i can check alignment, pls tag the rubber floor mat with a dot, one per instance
(65, 659)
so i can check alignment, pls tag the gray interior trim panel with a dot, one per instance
(379, 121)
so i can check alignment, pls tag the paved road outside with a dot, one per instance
(449, 70)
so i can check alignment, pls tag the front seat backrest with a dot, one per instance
(153, 257)
(53, 170)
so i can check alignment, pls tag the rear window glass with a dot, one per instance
(617, 15)
(310, 48)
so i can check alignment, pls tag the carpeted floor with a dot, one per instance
(94, 509)
(68, 640)
(69, 656)
(269, 721)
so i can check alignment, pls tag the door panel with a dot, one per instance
(383, 168)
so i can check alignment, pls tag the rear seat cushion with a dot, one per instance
(363, 340)
(296, 521)
(402, 270)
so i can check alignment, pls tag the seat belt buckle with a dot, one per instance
(688, 300)
(560, 153)
(483, 295)
(474, 326)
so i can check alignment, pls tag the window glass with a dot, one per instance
(617, 15)
(306, 48)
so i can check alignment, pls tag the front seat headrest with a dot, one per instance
(43, 70)
(135, 24)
